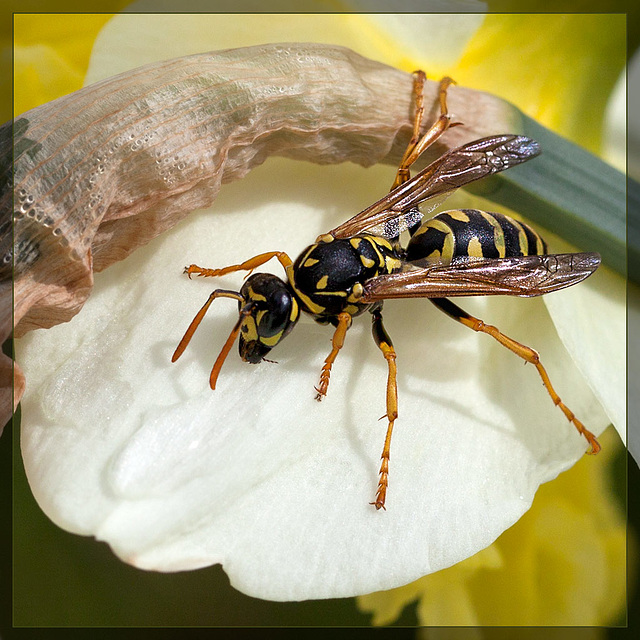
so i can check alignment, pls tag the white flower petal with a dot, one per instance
(122, 444)
(433, 40)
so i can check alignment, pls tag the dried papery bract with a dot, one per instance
(102, 171)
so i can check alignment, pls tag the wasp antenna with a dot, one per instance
(218, 293)
(245, 311)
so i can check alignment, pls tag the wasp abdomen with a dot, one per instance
(472, 233)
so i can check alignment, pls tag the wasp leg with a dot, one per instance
(384, 343)
(417, 145)
(524, 352)
(344, 322)
(247, 265)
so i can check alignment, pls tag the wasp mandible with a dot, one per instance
(359, 264)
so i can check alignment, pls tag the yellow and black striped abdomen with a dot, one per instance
(472, 233)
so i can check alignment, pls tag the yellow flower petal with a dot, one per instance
(582, 56)
(51, 54)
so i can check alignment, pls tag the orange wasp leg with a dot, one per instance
(524, 352)
(247, 265)
(384, 343)
(344, 322)
(417, 145)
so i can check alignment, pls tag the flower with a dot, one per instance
(119, 444)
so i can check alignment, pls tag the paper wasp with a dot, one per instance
(359, 264)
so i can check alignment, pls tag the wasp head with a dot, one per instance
(268, 313)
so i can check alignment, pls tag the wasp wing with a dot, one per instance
(398, 210)
(522, 276)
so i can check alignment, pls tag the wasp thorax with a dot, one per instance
(270, 312)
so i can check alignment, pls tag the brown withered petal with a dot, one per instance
(102, 171)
